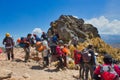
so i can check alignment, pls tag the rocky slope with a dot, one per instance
(68, 26)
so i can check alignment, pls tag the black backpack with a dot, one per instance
(86, 56)
(8, 41)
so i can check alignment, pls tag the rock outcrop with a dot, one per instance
(68, 26)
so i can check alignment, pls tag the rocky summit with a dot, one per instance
(69, 26)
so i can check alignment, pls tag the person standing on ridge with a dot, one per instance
(44, 36)
(9, 44)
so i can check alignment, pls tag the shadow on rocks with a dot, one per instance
(52, 70)
(38, 67)
(18, 60)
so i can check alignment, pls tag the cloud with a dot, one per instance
(37, 31)
(105, 26)
(75, 16)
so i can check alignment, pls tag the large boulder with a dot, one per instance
(4, 74)
(68, 26)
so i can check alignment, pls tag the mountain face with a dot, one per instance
(68, 26)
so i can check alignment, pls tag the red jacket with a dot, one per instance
(117, 69)
(105, 75)
(59, 51)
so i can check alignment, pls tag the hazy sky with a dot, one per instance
(19, 17)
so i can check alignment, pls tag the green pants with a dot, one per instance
(27, 53)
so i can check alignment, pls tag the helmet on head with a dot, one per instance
(7, 34)
(60, 42)
(107, 59)
(90, 46)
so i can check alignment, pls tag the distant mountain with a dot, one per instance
(113, 40)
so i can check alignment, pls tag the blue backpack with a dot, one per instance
(22, 44)
(54, 39)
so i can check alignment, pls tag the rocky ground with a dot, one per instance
(18, 70)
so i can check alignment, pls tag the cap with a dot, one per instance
(7, 34)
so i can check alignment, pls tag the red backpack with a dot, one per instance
(77, 56)
(108, 73)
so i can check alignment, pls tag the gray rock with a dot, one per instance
(4, 74)
(68, 26)
(26, 75)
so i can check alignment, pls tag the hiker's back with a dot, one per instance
(8, 41)
(77, 56)
(54, 39)
(38, 39)
(86, 56)
(106, 72)
(22, 42)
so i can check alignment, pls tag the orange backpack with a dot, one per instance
(39, 47)
(65, 50)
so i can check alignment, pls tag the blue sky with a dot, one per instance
(19, 17)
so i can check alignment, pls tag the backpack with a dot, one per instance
(77, 56)
(9, 41)
(44, 36)
(37, 39)
(86, 56)
(22, 42)
(54, 39)
(108, 72)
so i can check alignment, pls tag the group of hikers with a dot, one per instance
(52, 46)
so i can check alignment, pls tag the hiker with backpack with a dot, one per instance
(25, 43)
(107, 71)
(60, 54)
(52, 44)
(9, 44)
(81, 64)
(89, 60)
(45, 53)
(66, 52)
(74, 41)
(44, 36)
(37, 37)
